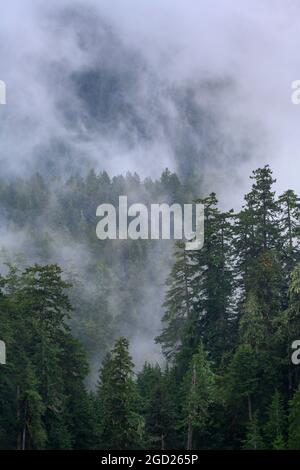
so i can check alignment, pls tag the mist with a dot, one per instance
(200, 87)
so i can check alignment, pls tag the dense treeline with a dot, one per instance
(53, 221)
(232, 311)
(43, 401)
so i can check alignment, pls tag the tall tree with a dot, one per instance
(254, 439)
(294, 421)
(198, 396)
(275, 428)
(159, 408)
(258, 243)
(121, 424)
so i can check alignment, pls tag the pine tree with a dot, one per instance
(178, 304)
(252, 329)
(294, 421)
(199, 303)
(159, 410)
(289, 224)
(214, 281)
(288, 327)
(198, 393)
(42, 377)
(44, 298)
(258, 242)
(294, 302)
(242, 379)
(31, 409)
(253, 440)
(276, 425)
(118, 402)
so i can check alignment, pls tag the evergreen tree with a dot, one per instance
(38, 389)
(276, 425)
(122, 426)
(179, 305)
(254, 440)
(199, 303)
(198, 396)
(242, 379)
(258, 242)
(159, 409)
(289, 224)
(214, 281)
(294, 421)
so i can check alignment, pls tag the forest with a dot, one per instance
(231, 314)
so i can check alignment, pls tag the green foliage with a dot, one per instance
(294, 421)
(275, 427)
(232, 311)
(239, 297)
(253, 440)
(199, 302)
(198, 394)
(159, 407)
(121, 425)
(46, 366)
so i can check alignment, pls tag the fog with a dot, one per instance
(201, 87)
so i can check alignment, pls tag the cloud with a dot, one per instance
(202, 87)
(192, 85)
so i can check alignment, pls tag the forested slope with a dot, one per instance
(231, 313)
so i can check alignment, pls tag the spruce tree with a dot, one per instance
(294, 421)
(275, 426)
(159, 409)
(179, 307)
(289, 224)
(198, 396)
(254, 440)
(118, 403)
(258, 243)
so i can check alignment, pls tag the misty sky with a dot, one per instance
(100, 83)
(203, 87)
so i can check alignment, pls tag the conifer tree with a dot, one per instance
(214, 281)
(122, 426)
(275, 427)
(289, 224)
(294, 421)
(159, 409)
(254, 440)
(242, 379)
(198, 396)
(258, 246)
(178, 304)
(200, 300)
